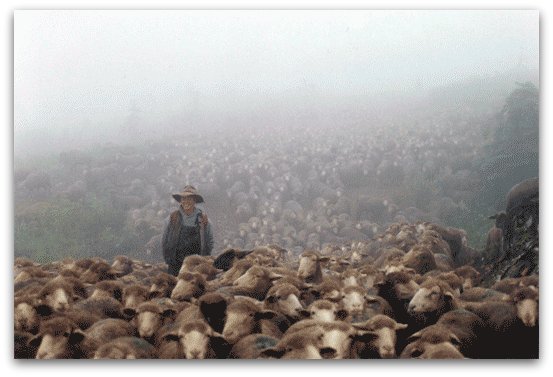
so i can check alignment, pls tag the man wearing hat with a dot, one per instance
(187, 231)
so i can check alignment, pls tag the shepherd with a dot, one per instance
(187, 231)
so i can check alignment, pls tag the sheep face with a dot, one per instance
(431, 340)
(309, 267)
(255, 282)
(241, 321)
(527, 301)
(326, 311)
(284, 299)
(188, 286)
(428, 300)
(59, 299)
(148, 323)
(353, 300)
(385, 342)
(195, 344)
(338, 340)
(26, 317)
(58, 344)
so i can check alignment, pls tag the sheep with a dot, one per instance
(162, 285)
(434, 298)
(107, 289)
(27, 315)
(252, 346)
(238, 269)
(354, 302)
(469, 275)
(127, 347)
(434, 341)
(57, 293)
(255, 282)
(59, 338)
(398, 288)
(148, 317)
(467, 326)
(337, 336)
(244, 317)
(101, 306)
(310, 267)
(197, 340)
(509, 285)
(134, 295)
(189, 285)
(284, 298)
(107, 329)
(384, 344)
(303, 344)
(226, 259)
(326, 311)
(420, 259)
(201, 265)
(526, 300)
(22, 345)
(506, 335)
(122, 264)
(213, 307)
(98, 271)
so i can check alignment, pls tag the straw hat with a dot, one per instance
(188, 191)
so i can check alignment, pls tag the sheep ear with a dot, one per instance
(171, 337)
(44, 310)
(400, 326)
(154, 294)
(168, 313)
(266, 314)
(273, 276)
(35, 342)
(365, 336)
(448, 296)
(414, 336)
(324, 259)
(454, 340)
(304, 313)
(76, 337)
(342, 314)
(271, 299)
(129, 313)
(273, 353)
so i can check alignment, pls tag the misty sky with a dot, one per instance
(81, 71)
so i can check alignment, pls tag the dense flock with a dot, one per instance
(330, 242)
(303, 187)
(407, 293)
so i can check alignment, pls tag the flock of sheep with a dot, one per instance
(298, 188)
(328, 244)
(404, 294)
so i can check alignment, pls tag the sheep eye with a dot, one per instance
(455, 342)
(66, 334)
(416, 353)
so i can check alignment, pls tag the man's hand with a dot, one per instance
(204, 219)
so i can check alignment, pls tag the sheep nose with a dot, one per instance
(327, 352)
(387, 352)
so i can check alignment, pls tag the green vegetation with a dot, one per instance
(57, 228)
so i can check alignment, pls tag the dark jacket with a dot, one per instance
(181, 237)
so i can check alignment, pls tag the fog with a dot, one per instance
(82, 77)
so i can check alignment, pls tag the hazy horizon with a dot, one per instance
(81, 76)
